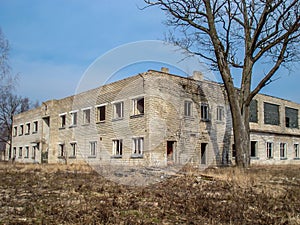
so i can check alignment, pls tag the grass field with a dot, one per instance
(51, 194)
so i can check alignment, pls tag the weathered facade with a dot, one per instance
(153, 119)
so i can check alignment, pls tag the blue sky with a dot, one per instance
(53, 42)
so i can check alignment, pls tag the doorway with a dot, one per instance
(46, 136)
(203, 153)
(171, 151)
(253, 151)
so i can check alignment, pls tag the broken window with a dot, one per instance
(269, 150)
(100, 113)
(253, 111)
(21, 129)
(271, 114)
(220, 113)
(117, 147)
(188, 107)
(253, 152)
(118, 110)
(20, 152)
(204, 112)
(15, 132)
(14, 152)
(73, 118)
(86, 116)
(61, 150)
(27, 128)
(296, 150)
(35, 127)
(282, 150)
(138, 106)
(26, 152)
(63, 120)
(34, 149)
(73, 149)
(291, 117)
(138, 146)
(93, 145)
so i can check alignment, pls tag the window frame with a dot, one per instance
(15, 131)
(296, 150)
(20, 152)
(115, 113)
(27, 128)
(270, 149)
(117, 148)
(61, 150)
(74, 118)
(21, 130)
(188, 108)
(35, 126)
(26, 153)
(255, 149)
(135, 105)
(33, 153)
(14, 155)
(99, 114)
(86, 115)
(288, 119)
(73, 150)
(220, 113)
(268, 114)
(62, 120)
(137, 147)
(253, 111)
(93, 149)
(204, 111)
(283, 150)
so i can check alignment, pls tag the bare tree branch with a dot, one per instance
(237, 34)
(269, 75)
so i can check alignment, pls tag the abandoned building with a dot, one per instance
(153, 118)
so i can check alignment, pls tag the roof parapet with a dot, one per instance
(164, 70)
(197, 75)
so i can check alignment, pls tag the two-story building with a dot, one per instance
(153, 119)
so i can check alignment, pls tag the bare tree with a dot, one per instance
(243, 35)
(10, 105)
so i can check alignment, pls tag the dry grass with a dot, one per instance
(46, 168)
(60, 194)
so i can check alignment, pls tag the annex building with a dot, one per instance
(153, 119)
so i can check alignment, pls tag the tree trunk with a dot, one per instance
(242, 145)
(239, 110)
(240, 125)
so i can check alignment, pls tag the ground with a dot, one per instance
(48, 194)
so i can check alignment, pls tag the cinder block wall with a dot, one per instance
(26, 139)
(163, 122)
(167, 121)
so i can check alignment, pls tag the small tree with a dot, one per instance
(243, 35)
(10, 105)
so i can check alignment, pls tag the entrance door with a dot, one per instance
(170, 151)
(46, 136)
(203, 153)
(9, 153)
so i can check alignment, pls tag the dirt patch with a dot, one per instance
(48, 194)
